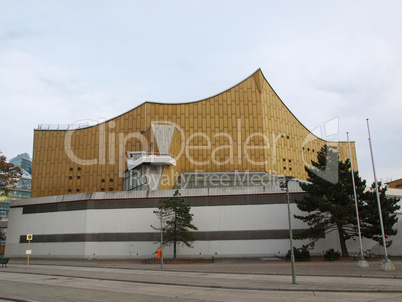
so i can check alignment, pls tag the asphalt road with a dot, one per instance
(92, 281)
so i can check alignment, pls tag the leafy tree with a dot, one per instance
(9, 175)
(370, 225)
(330, 205)
(177, 225)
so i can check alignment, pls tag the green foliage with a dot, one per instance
(330, 205)
(370, 225)
(177, 226)
(9, 175)
(332, 255)
(301, 254)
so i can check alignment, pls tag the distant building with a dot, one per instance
(23, 161)
(4, 209)
(23, 187)
(395, 184)
(22, 190)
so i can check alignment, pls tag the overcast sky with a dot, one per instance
(66, 61)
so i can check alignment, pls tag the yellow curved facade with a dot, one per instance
(244, 129)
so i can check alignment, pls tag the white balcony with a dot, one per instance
(136, 159)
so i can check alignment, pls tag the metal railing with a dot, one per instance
(64, 126)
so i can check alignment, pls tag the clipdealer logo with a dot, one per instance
(238, 147)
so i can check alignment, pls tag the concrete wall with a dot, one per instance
(251, 222)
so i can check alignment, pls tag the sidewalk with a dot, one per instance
(239, 266)
(253, 274)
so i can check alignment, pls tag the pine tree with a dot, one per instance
(370, 226)
(177, 225)
(330, 205)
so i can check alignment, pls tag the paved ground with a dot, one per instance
(224, 280)
(238, 266)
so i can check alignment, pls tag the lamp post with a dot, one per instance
(292, 255)
(161, 220)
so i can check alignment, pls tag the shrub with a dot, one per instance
(301, 254)
(332, 255)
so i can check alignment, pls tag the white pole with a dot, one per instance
(161, 209)
(378, 195)
(362, 262)
(292, 255)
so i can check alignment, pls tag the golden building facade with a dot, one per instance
(246, 128)
(396, 184)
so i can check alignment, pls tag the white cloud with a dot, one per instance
(34, 92)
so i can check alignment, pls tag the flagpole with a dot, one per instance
(362, 262)
(387, 265)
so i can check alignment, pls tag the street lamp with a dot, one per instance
(161, 221)
(284, 185)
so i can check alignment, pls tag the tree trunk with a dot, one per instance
(342, 240)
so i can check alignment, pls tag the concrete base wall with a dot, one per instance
(119, 226)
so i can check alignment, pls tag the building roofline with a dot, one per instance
(158, 194)
(193, 102)
(387, 183)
